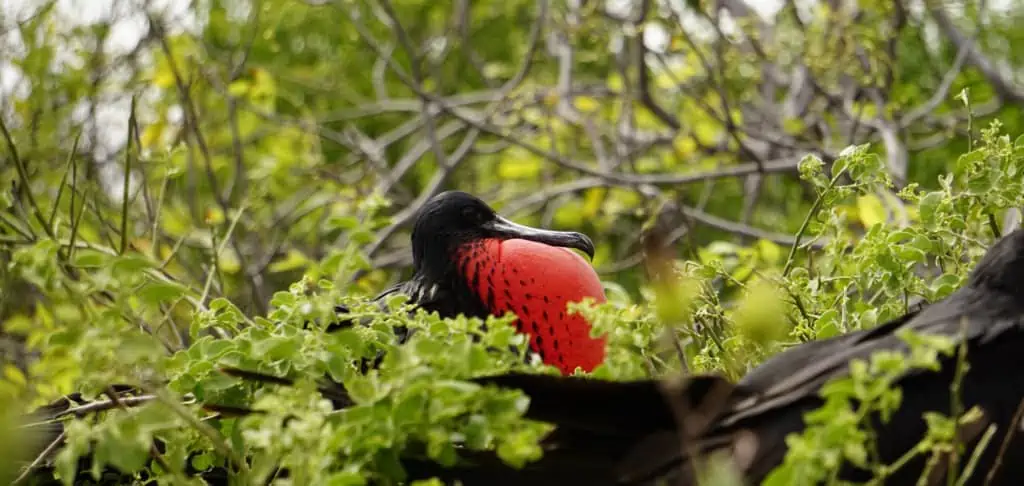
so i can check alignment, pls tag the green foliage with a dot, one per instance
(417, 399)
(836, 432)
(274, 152)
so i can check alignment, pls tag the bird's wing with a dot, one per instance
(775, 408)
(782, 364)
(969, 314)
(632, 430)
(423, 294)
(607, 407)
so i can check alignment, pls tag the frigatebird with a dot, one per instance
(643, 432)
(469, 260)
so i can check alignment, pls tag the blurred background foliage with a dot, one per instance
(171, 169)
(582, 115)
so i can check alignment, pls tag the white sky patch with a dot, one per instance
(656, 38)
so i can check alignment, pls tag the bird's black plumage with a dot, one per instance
(608, 438)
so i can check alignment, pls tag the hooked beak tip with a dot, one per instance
(586, 245)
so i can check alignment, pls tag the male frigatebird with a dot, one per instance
(641, 432)
(469, 260)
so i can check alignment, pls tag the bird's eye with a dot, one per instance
(473, 215)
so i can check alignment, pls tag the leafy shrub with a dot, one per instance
(100, 314)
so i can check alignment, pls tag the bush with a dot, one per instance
(206, 196)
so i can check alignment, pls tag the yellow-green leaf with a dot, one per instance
(586, 104)
(520, 168)
(615, 81)
(870, 210)
(14, 375)
(569, 215)
(761, 315)
(151, 135)
(229, 262)
(793, 126)
(294, 260)
(684, 146)
(770, 251)
(238, 88)
(592, 200)
(707, 132)
(602, 255)
(163, 78)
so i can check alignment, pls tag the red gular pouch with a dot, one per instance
(536, 282)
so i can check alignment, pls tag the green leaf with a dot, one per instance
(362, 389)
(361, 236)
(283, 299)
(342, 222)
(161, 292)
(90, 258)
(929, 205)
(345, 478)
(280, 347)
(1019, 142)
(793, 126)
(202, 461)
(132, 262)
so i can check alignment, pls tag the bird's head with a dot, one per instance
(452, 219)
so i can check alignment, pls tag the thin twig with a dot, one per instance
(23, 175)
(127, 178)
(40, 458)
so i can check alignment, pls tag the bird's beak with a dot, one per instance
(566, 239)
